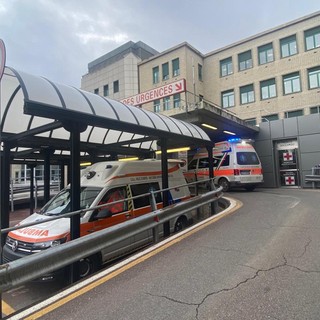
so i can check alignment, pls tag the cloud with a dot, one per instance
(92, 37)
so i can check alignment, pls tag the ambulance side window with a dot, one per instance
(193, 164)
(112, 195)
(138, 189)
(203, 163)
(225, 161)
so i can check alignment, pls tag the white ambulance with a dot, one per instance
(101, 183)
(235, 162)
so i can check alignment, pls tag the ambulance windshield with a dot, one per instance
(60, 204)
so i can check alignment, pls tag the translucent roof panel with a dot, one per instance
(35, 103)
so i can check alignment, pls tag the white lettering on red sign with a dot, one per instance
(157, 93)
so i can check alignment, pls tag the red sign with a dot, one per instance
(2, 58)
(290, 180)
(288, 156)
(156, 93)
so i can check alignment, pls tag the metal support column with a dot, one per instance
(214, 208)
(165, 182)
(31, 167)
(46, 175)
(75, 129)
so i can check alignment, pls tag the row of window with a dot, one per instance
(175, 71)
(287, 114)
(268, 89)
(106, 89)
(166, 103)
(288, 47)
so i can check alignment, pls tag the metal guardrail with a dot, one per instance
(314, 177)
(34, 266)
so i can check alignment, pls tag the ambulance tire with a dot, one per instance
(89, 265)
(224, 183)
(181, 224)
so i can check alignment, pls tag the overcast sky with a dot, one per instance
(58, 38)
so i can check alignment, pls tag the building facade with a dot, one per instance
(270, 80)
(115, 75)
(272, 75)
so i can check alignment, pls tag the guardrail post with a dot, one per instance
(155, 230)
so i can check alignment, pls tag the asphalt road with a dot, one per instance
(260, 262)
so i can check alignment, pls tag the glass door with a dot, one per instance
(289, 173)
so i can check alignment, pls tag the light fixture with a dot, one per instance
(228, 132)
(85, 164)
(174, 150)
(129, 159)
(208, 126)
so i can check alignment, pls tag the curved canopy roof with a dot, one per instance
(36, 113)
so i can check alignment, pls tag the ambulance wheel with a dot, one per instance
(88, 265)
(181, 224)
(224, 183)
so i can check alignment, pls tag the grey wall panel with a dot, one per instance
(309, 160)
(263, 148)
(309, 124)
(290, 127)
(277, 129)
(264, 131)
(269, 181)
(309, 143)
(267, 164)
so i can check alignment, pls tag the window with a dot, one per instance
(113, 195)
(165, 71)
(314, 78)
(291, 83)
(96, 91)
(247, 158)
(176, 100)
(246, 94)
(265, 53)
(142, 189)
(155, 75)
(199, 72)
(245, 60)
(226, 67)
(288, 46)
(116, 86)
(268, 89)
(270, 117)
(106, 90)
(312, 38)
(314, 110)
(225, 161)
(156, 106)
(251, 121)
(175, 67)
(193, 164)
(227, 99)
(166, 103)
(295, 113)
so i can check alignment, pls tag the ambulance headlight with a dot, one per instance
(48, 244)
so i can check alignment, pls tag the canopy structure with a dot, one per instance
(38, 114)
(46, 121)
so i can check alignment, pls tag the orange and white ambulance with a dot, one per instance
(235, 162)
(101, 183)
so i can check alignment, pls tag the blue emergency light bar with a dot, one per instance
(234, 140)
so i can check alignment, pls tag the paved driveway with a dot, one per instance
(260, 262)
